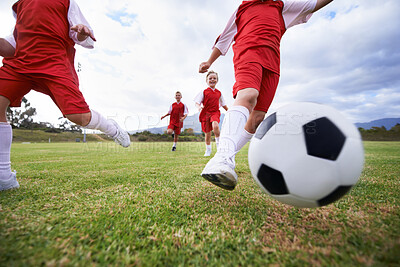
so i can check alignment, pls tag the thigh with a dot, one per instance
(65, 94)
(206, 126)
(248, 75)
(13, 86)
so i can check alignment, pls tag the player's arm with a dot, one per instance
(80, 30)
(185, 113)
(166, 115)
(215, 54)
(6, 49)
(83, 32)
(183, 118)
(222, 44)
(198, 106)
(222, 103)
(320, 4)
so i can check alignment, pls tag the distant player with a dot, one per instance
(39, 55)
(208, 102)
(256, 27)
(178, 112)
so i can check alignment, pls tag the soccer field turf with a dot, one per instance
(99, 204)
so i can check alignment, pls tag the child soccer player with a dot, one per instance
(256, 27)
(39, 55)
(212, 100)
(178, 112)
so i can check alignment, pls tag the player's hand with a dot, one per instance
(204, 67)
(83, 32)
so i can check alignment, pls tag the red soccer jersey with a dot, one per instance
(177, 111)
(257, 27)
(42, 37)
(260, 27)
(211, 103)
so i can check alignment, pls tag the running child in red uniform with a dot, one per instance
(39, 55)
(212, 100)
(178, 112)
(256, 27)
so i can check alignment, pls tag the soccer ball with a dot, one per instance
(306, 155)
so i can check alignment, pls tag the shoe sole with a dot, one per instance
(220, 180)
(10, 187)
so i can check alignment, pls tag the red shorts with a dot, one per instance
(253, 75)
(206, 125)
(175, 128)
(65, 93)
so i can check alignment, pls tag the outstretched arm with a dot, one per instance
(166, 115)
(320, 4)
(215, 54)
(6, 49)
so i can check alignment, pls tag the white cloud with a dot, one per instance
(347, 56)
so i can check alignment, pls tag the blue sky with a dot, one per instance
(347, 56)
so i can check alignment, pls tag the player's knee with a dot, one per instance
(215, 128)
(4, 103)
(247, 97)
(79, 119)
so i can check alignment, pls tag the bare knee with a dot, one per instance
(169, 131)
(216, 128)
(247, 98)
(4, 103)
(80, 119)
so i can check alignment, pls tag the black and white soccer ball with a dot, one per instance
(306, 155)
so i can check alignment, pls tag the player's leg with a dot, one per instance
(268, 88)
(107, 126)
(177, 132)
(220, 170)
(13, 87)
(208, 151)
(7, 178)
(217, 132)
(206, 128)
(75, 108)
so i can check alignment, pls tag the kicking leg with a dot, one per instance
(95, 121)
(220, 170)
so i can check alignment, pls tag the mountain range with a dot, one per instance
(193, 122)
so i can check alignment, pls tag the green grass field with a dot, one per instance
(99, 204)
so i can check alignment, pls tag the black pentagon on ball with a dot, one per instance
(265, 126)
(335, 195)
(272, 180)
(323, 139)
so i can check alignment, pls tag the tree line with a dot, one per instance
(22, 118)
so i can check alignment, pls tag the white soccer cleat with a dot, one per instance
(11, 183)
(220, 170)
(122, 136)
(207, 153)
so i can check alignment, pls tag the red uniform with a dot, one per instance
(44, 57)
(177, 111)
(257, 28)
(211, 103)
